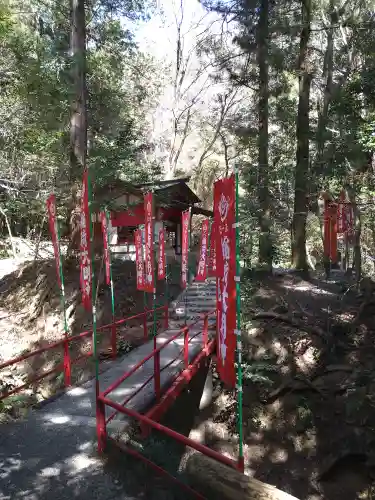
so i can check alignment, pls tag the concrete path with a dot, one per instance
(51, 454)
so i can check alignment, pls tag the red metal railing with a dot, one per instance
(145, 421)
(66, 365)
(157, 370)
(156, 353)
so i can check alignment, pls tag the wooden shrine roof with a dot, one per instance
(173, 193)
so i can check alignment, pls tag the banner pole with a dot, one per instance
(154, 329)
(188, 267)
(114, 333)
(166, 269)
(67, 364)
(93, 288)
(238, 327)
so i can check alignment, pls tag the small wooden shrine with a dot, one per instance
(125, 204)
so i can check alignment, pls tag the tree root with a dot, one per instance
(301, 383)
(292, 385)
(315, 330)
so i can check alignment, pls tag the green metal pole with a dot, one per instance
(67, 364)
(114, 347)
(238, 325)
(62, 289)
(93, 289)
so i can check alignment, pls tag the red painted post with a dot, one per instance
(186, 347)
(205, 331)
(101, 428)
(114, 340)
(145, 332)
(241, 464)
(157, 374)
(166, 318)
(67, 364)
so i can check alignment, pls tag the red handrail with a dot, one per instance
(23, 357)
(127, 374)
(57, 368)
(126, 401)
(170, 432)
(67, 362)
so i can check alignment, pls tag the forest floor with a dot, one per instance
(309, 377)
(309, 389)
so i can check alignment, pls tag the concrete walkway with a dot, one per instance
(51, 454)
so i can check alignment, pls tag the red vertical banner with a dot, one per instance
(224, 218)
(139, 259)
(161, 260)
(51, 209)
(212, 258)
(185, 247)
(104, 222)
(85, 262)
(330, 230)
(149, 284)
(202, 263)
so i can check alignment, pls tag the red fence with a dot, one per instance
(161, 400)
(64, 344)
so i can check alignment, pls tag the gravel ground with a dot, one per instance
(40, 460)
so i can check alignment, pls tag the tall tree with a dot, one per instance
(265, 244)
(78, 121)
(299, 260)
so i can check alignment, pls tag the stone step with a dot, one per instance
(203, 294)
(204, 307)
(195, 303)
(203, 286)
(202, 290)
(195, 300)
(191, 315)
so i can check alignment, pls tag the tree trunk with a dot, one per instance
(78, 121)
(323, 115)
(215, 480)
(265, 244)
(3, 213)
(299, 260)
(36, 253)
(357, 254)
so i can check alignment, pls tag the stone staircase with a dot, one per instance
(199, 297)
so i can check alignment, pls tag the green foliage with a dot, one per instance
(258, 372)
(36, 92)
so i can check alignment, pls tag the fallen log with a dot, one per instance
(215, 480)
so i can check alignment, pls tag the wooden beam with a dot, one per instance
(215, 480)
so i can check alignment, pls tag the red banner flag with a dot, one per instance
(212, 258)
(161, 261)
(139, 259)
(202, 263)
(85, 264)
(185, 247)
(51, 209)
(330, 230)
(103, 219)
(224, 216)
(149, 285)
